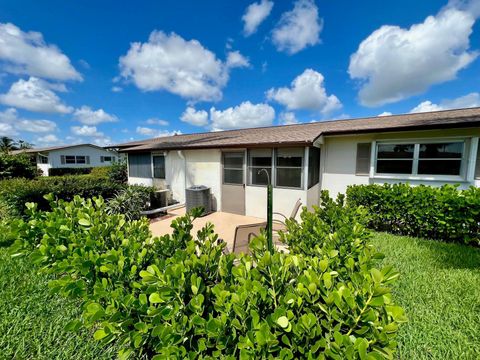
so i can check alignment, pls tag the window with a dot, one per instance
(75, 159)
(70, 160)
(289, 167)
(233, 168)
(440, 158)
(313, 166)
(159, 166)
(260, 159)
(432, 158)
(81, 159)
(42, 159)
(395, 158)
(107, 158)
(140, 165)
(363, 159)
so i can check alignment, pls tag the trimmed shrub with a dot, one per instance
(17, 166)
(444, 213)
(180, 296)
(131, 201)
(17, 192)
(69, 171)
(118, 172)
(100, 172)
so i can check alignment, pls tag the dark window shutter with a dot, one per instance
(62, 159)
(477, 165)
(363, 158)
(87, 159)
(102, 159)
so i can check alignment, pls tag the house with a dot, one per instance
(71, 156)
(432, 148)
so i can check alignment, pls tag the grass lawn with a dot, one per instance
(32, 320)
(439, 288)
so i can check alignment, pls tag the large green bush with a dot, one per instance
(131, 201)
(181, 296)
(17, 192)
(443, 213)
(17, 166)
(117, 172)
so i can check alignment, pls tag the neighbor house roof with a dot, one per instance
(304, 134)
(52, 148)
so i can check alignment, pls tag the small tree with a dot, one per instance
(17, 166)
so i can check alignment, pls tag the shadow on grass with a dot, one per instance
(450, 255)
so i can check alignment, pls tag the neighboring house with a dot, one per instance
(71, 156)
(426, 148)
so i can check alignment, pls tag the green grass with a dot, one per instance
(439, 289)
(32, 320)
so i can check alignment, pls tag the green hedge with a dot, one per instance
(180, 296)
(18, 166)
(443, 213)
(17, 192)
(69, 171)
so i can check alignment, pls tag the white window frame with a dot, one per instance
(465, 163)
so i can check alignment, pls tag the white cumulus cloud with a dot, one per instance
(35, 95)
(12, 124)
(394, 63)
(169, 62)
(288, 118)
(385, 113)
(194, 117)
(307, 92)
(87, 116)
(298, 28)
(155, 121)
(28, 53)
(151, 132)
(255, 14)
(467, 101)
(244, 115)
(86, 131)
(236, 60)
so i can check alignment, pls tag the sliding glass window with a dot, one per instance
(289, 167)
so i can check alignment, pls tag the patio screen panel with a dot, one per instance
(477, 166)
(140, 165)
(313, 166)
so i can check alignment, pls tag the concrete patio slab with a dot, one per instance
(225, 223)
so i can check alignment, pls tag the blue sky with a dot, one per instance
(109, 71)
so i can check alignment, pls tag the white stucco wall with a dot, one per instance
(313, 196)
(283, 200)
(204, 167)
(55, 161)
(339, 159)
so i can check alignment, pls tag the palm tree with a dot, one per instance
(7, 144)
(23, 145)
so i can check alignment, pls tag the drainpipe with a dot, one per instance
(182, 156)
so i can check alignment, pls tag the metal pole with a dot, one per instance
(269, 212)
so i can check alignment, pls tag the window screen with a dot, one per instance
(159, 166)
(440, 158)
(260, 159)
(477, 168)
(363, 158)
(233, 168)
(395, 158)
(139, 165)
(289, 167)
(313, 166)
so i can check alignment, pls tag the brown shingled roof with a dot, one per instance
(304, 134)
